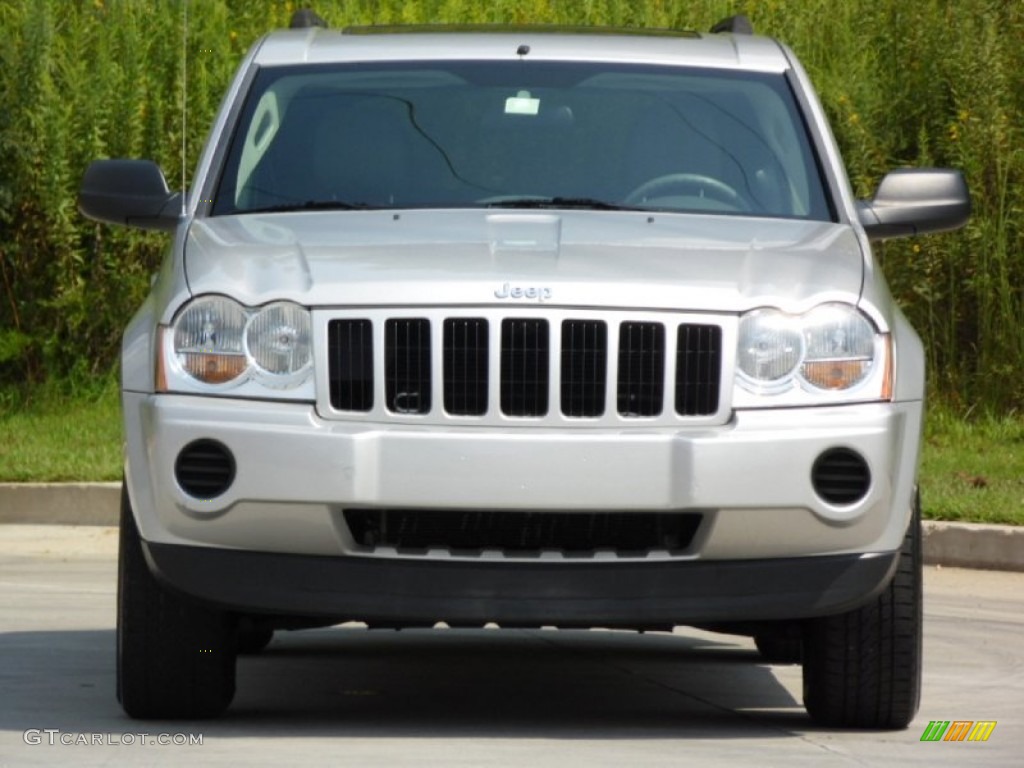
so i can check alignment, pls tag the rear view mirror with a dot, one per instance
(131, 193)
(916, 202)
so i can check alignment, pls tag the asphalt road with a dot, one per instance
(349, 697)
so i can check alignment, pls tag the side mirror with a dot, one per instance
(132, 193)
(916, 202)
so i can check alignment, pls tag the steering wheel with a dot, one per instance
(689, 183)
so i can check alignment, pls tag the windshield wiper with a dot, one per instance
(588, 203)
(314, 205)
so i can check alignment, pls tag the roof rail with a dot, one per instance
(306, 17)
(738, 25)
(562, 29)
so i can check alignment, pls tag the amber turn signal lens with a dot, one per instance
(835, 374)
(212, 368)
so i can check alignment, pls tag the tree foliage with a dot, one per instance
(933, 82)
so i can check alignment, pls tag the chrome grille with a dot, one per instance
(497, 367)
(407, 365)
(466, 352)
(524, 367)
(641, 382)
(698, 369)
(350, 361)
(584, 367)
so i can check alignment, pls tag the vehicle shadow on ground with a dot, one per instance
(421, 683)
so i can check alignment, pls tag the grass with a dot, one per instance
(62, 436)
(971, 469)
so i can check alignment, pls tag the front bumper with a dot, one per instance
(751, 478)
(633, 595)
(277, 541)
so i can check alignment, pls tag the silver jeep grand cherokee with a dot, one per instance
(525, 327)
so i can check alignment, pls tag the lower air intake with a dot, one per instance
(574, 534)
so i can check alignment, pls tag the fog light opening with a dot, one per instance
(205, 469)
(841, 477)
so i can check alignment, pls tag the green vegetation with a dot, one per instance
(933, 82)
(71, 433)
(973, 470)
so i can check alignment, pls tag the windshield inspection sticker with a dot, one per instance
(522, 104)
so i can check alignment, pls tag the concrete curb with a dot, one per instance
(962, 545)
(60, 503)
(968, 545)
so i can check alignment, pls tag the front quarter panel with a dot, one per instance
(168, 292)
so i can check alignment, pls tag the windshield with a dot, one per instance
(520, 134)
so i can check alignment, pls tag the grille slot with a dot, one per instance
(204, 469)
(407, 386)
(584, 367)
(466, 360)
(470, 532)
(841, 476)
(350, 358)
(698, 369)
(525, 361)
(641, 379)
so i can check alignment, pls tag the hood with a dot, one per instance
(488, 257)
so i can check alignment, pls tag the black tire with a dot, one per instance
(862, 669)
(175, 658)
(252, 638)
(781, 646)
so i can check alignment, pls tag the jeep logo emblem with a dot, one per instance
(509, 291)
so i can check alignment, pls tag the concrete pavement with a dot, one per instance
(347, 696)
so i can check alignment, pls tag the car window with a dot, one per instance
(444, 134)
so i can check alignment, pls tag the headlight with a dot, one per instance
(216, 343)
(277, 341)
(208, 340)
(826, 354)
(840, 347)
(771, 347)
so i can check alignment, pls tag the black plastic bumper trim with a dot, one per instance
(623, 594)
